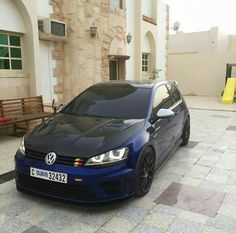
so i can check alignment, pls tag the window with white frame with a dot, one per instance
(118, 4)
(10, 52)
(145, 62)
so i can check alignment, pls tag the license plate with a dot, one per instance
(48, 175)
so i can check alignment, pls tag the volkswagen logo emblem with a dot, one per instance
(50, 158)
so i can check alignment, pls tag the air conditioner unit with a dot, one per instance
(53, 27)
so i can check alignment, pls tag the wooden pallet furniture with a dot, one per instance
(22, 110)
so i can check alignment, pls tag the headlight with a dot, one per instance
(111, 157)
(22, 146)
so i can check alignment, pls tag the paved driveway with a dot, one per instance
(207, 165)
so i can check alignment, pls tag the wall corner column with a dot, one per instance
(138, 40)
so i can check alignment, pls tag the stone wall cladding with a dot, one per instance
(111, 18)
(83, 60)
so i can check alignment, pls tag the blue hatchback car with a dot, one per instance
(106, 144)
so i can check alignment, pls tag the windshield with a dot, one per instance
(115, 101)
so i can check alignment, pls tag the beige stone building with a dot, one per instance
(198, 61)
(58, 48)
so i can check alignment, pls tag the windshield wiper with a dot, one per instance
(88, 115)
(100, 116)
(69, 113)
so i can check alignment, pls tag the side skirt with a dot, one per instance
(176, 146)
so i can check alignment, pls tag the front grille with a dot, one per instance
(41, 156)
(78, 191)
(113, 187)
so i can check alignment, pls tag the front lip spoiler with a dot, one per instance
(78, 202)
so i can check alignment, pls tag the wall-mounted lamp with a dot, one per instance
(93, 31)
(129, 38)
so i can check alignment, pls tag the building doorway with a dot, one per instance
(117, 67)
(113, 70)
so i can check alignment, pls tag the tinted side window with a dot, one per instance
(175, 94)
(162, 99)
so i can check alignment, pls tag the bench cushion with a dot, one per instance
(24, 118)
(4, 119)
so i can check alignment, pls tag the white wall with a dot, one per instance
(149, 45)
(141, 42)
(44, 9)
(200, 74)
(201, 42)
(222, 42)
(162, 38)
(10, 17)
(194, 42)
(47, 64)
(232, 43)
(130, 48)
(12, 87)
(147, 8)
(146, 47)
(27, 9)
(15, 19)
(46, 71)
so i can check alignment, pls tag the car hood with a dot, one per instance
(84, 137)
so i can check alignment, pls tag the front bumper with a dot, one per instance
(85, 185)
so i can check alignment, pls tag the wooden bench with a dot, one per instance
(14, 111)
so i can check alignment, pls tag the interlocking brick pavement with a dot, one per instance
(209, 164)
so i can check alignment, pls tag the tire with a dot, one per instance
(145, 172)
(18, 188)
(186, 133)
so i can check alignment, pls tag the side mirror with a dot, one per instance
(165, 113)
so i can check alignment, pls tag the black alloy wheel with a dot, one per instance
(145, 172)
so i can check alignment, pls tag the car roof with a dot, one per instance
(138, 84)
